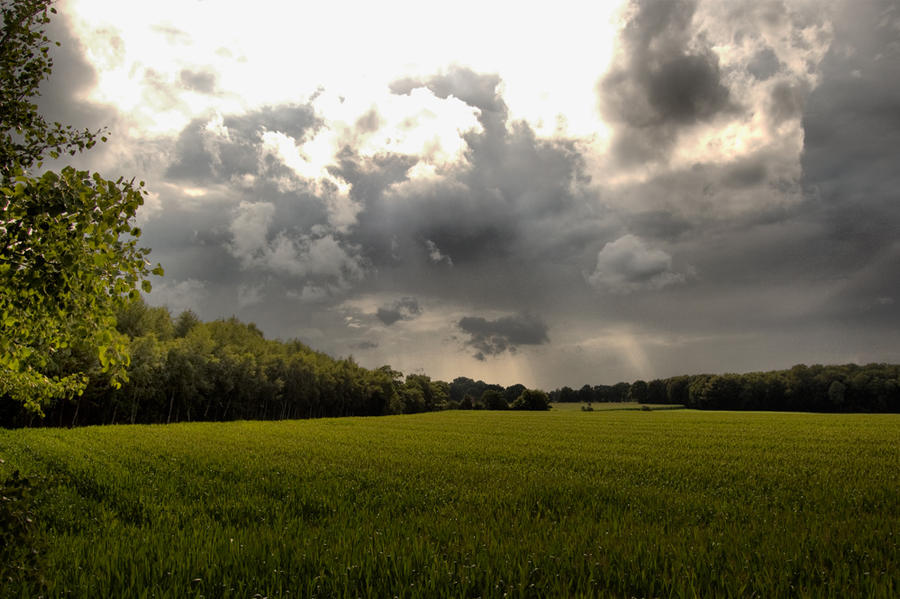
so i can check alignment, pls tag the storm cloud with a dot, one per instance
(850, 156)
(229, 148)
(493, 337)
(406, 308)
(664, 80)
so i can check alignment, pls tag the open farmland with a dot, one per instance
(466, 504)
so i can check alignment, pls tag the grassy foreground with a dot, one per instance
(470, 504)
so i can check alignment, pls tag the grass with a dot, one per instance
(470, 504)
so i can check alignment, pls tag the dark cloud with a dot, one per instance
(822, 265)
(489, 207)
(365, 345)
(371, 176)
(296, 120)
(369, 122)
(852, 145)
(62, 94)
(658, 224)
(497, 217)
(271, 228)
(192, 160)
(683, 201)
(406, 308)
(764, 64)
(745, 174)
(665, 79)
(786, 100)
(687, 89)
(190, 241)
(493, 337)
(199, 81)
(205, 153)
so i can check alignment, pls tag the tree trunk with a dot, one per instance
(171, 403)
(134, 405)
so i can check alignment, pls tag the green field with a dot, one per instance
(670, 503)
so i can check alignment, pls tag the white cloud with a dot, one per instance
(249, 231)
(628, 264)
(312, 256)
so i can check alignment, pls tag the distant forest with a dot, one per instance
(817, 388)
(182, 369)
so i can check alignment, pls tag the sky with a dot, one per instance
(551, 194)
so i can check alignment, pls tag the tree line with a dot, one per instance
(816, 388)
(182, 369)
(589, 394)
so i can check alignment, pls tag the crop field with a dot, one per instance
(617, 503)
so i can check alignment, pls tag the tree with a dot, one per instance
(656, 391)
(836, 393)
(512, 393)
(638, 391)
(567, 395)
(586, 394)
(68, 248)
(532, 399)
(186, 321)
(494, 400)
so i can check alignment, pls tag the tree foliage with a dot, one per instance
(68, 245)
